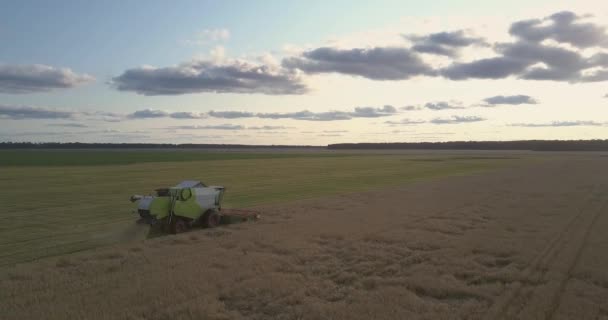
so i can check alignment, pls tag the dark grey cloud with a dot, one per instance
(442, 105)
(606, 95)
(260, 129)
(597, 76)
(308, 115)
(531, 59)
(148, 113)
(513, 100)
(405, 122)
(211, 127)
(359, 112)
(30, 112)
(435, 49)
(599, 59)
(26, 112)
(443, 43)
(151, 114)
(564, 27)
(79, 134)
(206, 76)
(379, 63)
(559, 64)
(577, 123)
(16, 79)
(187, 115)
(490, 68)
(371, 112)
(268, 128)
(456, 120)
(231, 114)
(68, 125)
(527, 57)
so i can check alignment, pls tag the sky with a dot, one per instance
(302, 72)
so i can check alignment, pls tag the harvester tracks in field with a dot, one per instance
(551, 269)
(557, 298)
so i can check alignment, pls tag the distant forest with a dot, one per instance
(78, 145)
(533, 145)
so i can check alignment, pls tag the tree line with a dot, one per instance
(533, 145)
(79, 145)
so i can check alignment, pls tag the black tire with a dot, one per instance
(211, 219)
(179, 225)
(163, 225)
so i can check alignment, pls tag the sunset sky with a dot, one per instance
(305, 72)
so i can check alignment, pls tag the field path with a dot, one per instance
(539, 295)
(526, 242)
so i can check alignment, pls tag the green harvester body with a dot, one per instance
(190, 203)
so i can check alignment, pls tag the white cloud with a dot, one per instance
(208, 36)
(17, 79)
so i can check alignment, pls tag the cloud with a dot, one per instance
(405, 122)
(197, 76)
(26, 112)
(442, 105)
(231, 114)
(211, 127)
(443, 43)
(210, 35)
(409, 108)
(17, 79)
(29, 112)
(606, 95)
(566, 57)
(148, 113)
(359, 112)
(532, 59)
(577, 123)
(335, 131)
(558, 63)
(261, 129)
(151, 114)
(379, 63)
(308, 115)
(268, 128)
(513, 100)
(456, 120)
(490, 68)
(68, 125)
(563, 27)
(187, 115)
(371, 112)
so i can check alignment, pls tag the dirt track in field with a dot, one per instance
(521, 243)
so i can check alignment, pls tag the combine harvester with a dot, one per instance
(187, 205)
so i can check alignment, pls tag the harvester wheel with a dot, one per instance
(179, 225)
(211, 219)
(163, 225)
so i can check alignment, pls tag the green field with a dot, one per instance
(51, 206)
(113, 157)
